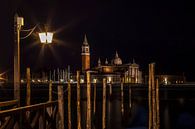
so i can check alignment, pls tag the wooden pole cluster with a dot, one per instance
(153, 99)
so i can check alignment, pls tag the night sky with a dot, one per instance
(144, 30)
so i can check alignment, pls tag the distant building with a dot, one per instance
(113, 70)
(169, 79)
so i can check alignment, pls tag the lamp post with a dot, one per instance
(18, 23)
(44, 38)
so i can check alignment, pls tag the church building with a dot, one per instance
(113, 70)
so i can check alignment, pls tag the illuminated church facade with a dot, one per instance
(113, 70)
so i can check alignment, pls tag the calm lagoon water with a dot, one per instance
(177, 104)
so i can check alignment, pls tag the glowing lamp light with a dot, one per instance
(49, 37)
(46, 38)
(61, 80)
(43, 37)
(95, 80)
(71, 80)
(22, 81)
(82, 80)
(109, 80)
(166, 80)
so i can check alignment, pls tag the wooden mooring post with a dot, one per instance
(60, 107)
(130, 98)
(69, 104)
(50, 90)
(94, 96)
(28, 90)
(28, 87)
(149, 99)
(153, 99)
(88, 122)
(157, 105)
(104, 105)
(122, 97)
(49, 109)
(78, 101)
(110, 88)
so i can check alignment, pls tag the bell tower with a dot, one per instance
(85, 55)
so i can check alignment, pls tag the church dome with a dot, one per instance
(117, 60)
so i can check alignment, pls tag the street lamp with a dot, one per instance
(44, 38)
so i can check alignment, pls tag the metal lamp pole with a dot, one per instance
(18, 23)
(45, 38)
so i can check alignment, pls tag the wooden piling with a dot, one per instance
(108, 115)
(42, 121)
(153, 96)
(130, 99)
(78, 101)
(153, 99)
(50, 91)
(104, 105)
(69, 104)
(50, 109)
(28, 89)
(88, 122)
(157, 104)
(94, 98)
(149, 99)
(110, 88)
(122, 97)
(61, 107)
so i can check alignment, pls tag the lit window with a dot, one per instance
(166, 81)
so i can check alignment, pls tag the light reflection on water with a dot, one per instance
(176, 107)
